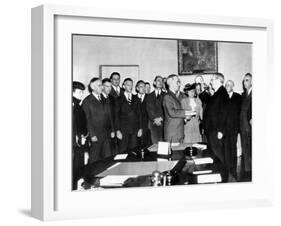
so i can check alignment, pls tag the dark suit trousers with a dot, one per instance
(99, 150)
(246, 143)
(145, 140)
(216, 145)
(157, 133)
(128, 142)
(77, 165)
(230, 150)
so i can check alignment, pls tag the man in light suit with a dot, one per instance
(174, 114)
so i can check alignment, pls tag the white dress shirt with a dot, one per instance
(249, 91)
(158, 92)
(128, 96)
(117, 89)
(98, 97)
(141, 96)
(105, 95)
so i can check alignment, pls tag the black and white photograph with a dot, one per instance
(160, 112)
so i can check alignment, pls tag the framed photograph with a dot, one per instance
(197, 56)
(126, 70)
(115, 129)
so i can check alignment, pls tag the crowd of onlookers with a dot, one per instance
(112, 119)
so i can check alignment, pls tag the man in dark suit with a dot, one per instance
(110, 101)
(128, 119)
(116, 90)
(215, 115)
(154, 110)
(246, 124)
(232, 127)
(99, 122)
(145, 140)
(173, 112)
(79, 133)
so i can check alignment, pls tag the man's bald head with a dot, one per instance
(199, 79)
(217, 81)
(229, 86)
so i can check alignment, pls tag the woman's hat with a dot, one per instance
(189, 87)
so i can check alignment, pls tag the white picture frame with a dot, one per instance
(50, 200)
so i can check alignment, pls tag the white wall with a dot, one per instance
(234, 61)
(154, 56)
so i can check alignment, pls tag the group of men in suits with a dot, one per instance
(226, 115)
(118, 121)
(113, 120)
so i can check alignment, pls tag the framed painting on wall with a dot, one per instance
(197, 57)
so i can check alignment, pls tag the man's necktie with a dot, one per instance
(158, 95)
(129, 99)
(141, 98)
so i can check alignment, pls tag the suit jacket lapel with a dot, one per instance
(174, 97)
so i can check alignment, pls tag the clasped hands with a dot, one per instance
(188, 116)
(158, 121)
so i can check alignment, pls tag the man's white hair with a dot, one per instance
(230, 81)
(171, 78)
(199, 77)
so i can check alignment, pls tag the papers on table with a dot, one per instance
(120, 157)
(162, 160)
(115, 180)
(175, 144)
(200, 161)
(178, 146)
(200, 146)
(190, 113)
(163, 148)
(175, 147)
(202, 172)
(153, 148)
(209, 178)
